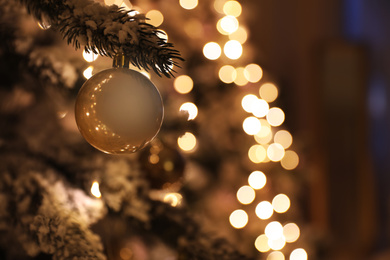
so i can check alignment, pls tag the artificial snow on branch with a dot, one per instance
(105, 30)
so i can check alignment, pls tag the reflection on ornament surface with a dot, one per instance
(119, 111)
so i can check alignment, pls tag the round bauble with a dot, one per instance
(119, 110)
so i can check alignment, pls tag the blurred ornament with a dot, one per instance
(163, 164)
(119, 110)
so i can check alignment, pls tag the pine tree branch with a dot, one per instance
(107, 30)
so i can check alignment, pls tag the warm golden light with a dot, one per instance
(155, 17)
(188, 4)
(290, 160)
(240, 79)
(281, 203)
(95, 190)
(264, 210)
(268, 92)
(232, 8)
(246, 195)
(260, 108)
(227, 74)
(276, 255)
(248, 101)
(174, 199)
(191, 109)
(251, 125)
(253, 73)
(229, 24)
(218, 5)
(284, 138)
(275, 152)
(88, 72)
(89, 57)
(261, 243)
(233, 49)
(298, 254)
(275, 116)
(183, 84)
(257, 153)
(277, 244)
(257, 180)
(212, 50)
(113, 2)
(187, 142)
(265, 129)
(240, 35)
(238, 218)
(274, 230)
(126, 253)
(264, 139)
(291, 232)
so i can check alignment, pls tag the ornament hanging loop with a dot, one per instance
(121, 60)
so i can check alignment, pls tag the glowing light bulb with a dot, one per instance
(246, 195)
(261, 243)
(253, 73)
(188, 4)
(268, 92)
(298, 254)
(251, 125)
(95, 190)
(183, 84)
(291, 232)
(233, 49)
(88, 72)
(191, 109)
(290, 160)
(227, 74)
(212, 50)
(275, 152)
(281, 203)
(264, 210)
(257, 180)
(187, 142)
(274, 230)
(232, 8)
(155, 17)
(238, 218)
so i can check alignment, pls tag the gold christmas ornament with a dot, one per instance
(119, 110)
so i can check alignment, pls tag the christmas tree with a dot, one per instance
(211, 184)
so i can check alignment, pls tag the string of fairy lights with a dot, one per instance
(264, 123)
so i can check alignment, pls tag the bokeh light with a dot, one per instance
(188, 4)
(174, 199)
(155, 17)
(275, 152)
(113, 2)
(264, 210)
(263, 139)
(265, 129)
(183, 84)
(232, 8)
(89, 57)
(246, 195)
(260, 108)
(126, 253)
(298, 254)
(273, 230)
(261, 243)
(218, 5)
(227, 74)
(212, 50)
(281, 203)
(284, 138)
(240, 79)
(268, 92)
(240, 35)
(229, 24)
(233, 49)
(191, 109)
(253, 73)
(257, 180)
(275, 116)
(257, 153)
(290, 160)
(276, 255)
(238, 218)
(251, 125)
(88, 72)
(187, 142)
(248, 101)
(95, 190)
(291, 232)
(277, 244)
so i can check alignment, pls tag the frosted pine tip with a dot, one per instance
(95, 190)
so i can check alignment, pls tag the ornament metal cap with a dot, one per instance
(121, 60)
